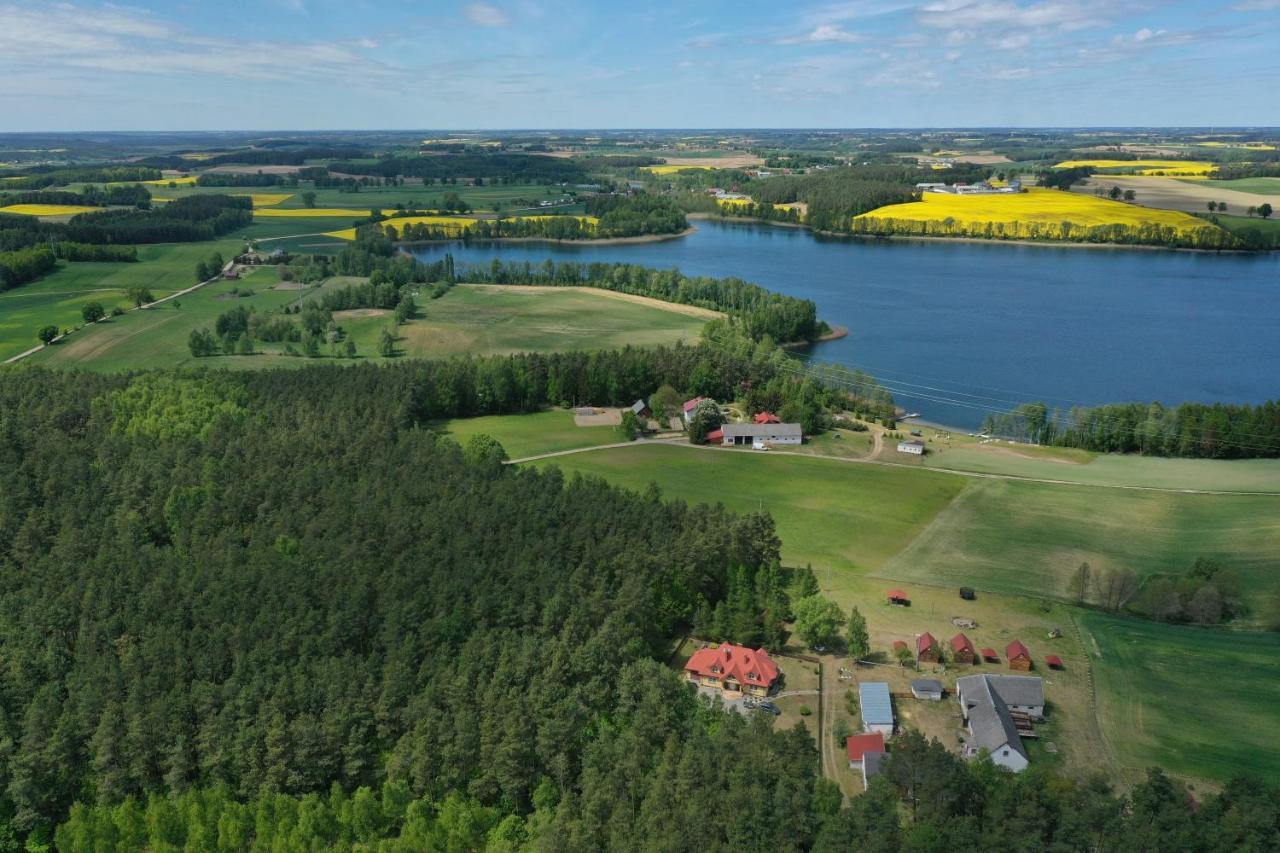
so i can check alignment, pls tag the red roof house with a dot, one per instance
(689, 404)
(1053, 661)
(734, 668)
(767, 418)
(927, 648)
(1019, 657)
(962, 650)
(897, 596)
(857, 746)
(990, 656)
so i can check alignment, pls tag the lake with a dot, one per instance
(959, 330)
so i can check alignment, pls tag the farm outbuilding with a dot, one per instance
(876, 706)
(962, 650)
(897, 596)
(967, 593)
(990, 656)
(915, 447)
(927, 688)
(927, 650)
(767, 418)
(1053, 661)
(641, 409)
(858, 746)
(1018, 656)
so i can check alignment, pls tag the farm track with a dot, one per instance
(979, 475)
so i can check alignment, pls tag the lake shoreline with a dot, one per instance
(603, 241)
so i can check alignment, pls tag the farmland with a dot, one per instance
(1042, 213)
(1144, 167)
(671, 169)
(532, 434)
(47, 209)
(1190, 196)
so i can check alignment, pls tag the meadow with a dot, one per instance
(532, 434)
(1198, 702)
(1047, 208)
(58, 297)
(1257, 186)
(1144, 167)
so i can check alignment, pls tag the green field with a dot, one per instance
(845, 516)
(1259, 186)
(469, 320)
(58, 297)
(1021, 537)
(487, 319)
(1197, 702)
(480, 198)
(530, 435)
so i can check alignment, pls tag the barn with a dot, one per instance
(927, 650)
(962, 650)
(1018, 656)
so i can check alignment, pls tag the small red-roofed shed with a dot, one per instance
(927, 648)
(897, 596)
(990, 656)
(1018, 656)
(1053, 661)
(962, 650)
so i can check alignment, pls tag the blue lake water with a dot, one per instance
(958, 330)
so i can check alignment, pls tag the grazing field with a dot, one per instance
(58, 297)
(1257, 186)
(1020, 537)
(1046, 208)
(1199, 702)
(1145, 167)
(47, 209)
(847, 517)
(1189, 196)
(492, 320)
(530, 435)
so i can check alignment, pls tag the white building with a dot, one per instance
(762, 434)
(988, 703)
(915, 446)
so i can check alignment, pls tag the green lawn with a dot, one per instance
(1195, 701)
(1259, 186)
(530, 435)
(842, 516)
(58, 297)
(1018, 537)
(483, 319)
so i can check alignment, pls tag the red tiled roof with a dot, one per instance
(1053, 660)
(1016, 650)
(859, 745)
(715, 435)
(689, 404)
(744, 665)
(925, 642)
(897, 593)
(767, 418)
(990, 653)
(961, 643)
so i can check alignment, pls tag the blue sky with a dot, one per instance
(317, 64)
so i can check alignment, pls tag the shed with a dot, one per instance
(967, 593)
(640, 408)
(897, 596)
(857, 747)
(1053, 661)
(872, 763)
(927, 648)
(1018, 656)
(914, 447)
(877, 707)
(990, 656)
(927, 688)
(962, 650)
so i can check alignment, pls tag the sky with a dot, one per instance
(501, 64)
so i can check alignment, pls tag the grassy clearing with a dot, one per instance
(852, 518)
(1199, 702)
(58, 297)
(530, 435)
(1040, 206)
(1017, 537)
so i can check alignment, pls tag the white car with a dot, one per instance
(759, 445)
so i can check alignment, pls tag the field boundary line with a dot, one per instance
(977, 475)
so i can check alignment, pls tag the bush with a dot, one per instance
(805, 710)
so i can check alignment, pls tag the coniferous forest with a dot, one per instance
(276, 611)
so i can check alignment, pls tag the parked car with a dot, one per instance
(769, 707)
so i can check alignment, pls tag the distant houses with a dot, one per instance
(980, 188)
(876, 706)
(733, 669)
(997, 710)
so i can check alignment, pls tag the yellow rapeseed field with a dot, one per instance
(185, 181)
(454, 225)
(668, 170)
(265, 199)
(1145, 167)
(47, 209)
(1251, 146)
(1037, 205)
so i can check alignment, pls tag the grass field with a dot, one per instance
(58, 297)
(530, 435)
(1197, 702)
(852, 518)
(1018, 537)
(483, 198)
(1042, 206)
(1145, 167)
(1257, 186)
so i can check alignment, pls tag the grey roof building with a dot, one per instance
(876, 706)
(769, 433)
(988, 703)
(872, 763)
(927, 688)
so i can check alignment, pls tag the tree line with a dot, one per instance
(519, 168)
(132, 195)
(40, 177)
(1193, 430)
(1146, 234)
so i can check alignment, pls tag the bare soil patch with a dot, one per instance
(601, 417)
(352, 313)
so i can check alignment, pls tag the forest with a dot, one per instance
(1190, 430)
(40, 177)
(512, 168)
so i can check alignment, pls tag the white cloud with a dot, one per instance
(485, 15)
(1143, 34)
(1067, 15)
(823, 34)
